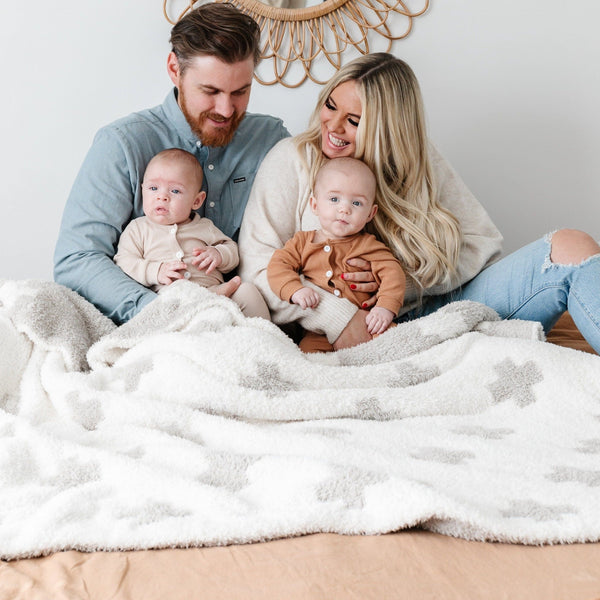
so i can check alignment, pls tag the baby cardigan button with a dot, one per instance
(187, 275)
(337, 293)
(329, 274)
(327, 248)
(174, 229)
(179, 255)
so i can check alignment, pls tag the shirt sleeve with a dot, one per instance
(98, 207)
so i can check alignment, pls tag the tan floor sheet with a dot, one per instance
(410, 564)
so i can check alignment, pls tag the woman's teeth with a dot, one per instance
(336, 141)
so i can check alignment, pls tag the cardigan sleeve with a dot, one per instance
(130, 257)
(283, 271)
(225, 246)
(481, 241)
(389, 274)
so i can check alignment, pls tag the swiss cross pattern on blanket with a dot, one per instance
(193, 425)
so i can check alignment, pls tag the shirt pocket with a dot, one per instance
(234, 198)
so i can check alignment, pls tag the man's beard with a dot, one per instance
(208, 135)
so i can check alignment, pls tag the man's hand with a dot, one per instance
(355, 332)
(168, 272)
(305, 298)
(378, 320)
(207, 259)
(362, 281)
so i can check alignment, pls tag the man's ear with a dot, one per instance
(372, 213)
(199, 200)
(313, 204)
(173, 69)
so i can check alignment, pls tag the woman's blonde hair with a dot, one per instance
(391, 139)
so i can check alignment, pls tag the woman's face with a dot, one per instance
(340, 116)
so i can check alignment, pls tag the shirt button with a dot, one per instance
(179, 255)
(211, 204)
(187, 275)
(337, 293)
(198, 144)
(327, 248)
(329, 274)
(211, 167)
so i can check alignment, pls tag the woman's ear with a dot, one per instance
(199, 200)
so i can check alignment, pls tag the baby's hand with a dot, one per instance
(207, 259)
(378, 320)
(168, 272)
(305, 297)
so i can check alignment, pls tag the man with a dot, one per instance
(215, 49)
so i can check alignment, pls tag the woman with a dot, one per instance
(372, 110)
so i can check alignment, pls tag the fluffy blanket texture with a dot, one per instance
(192, 425)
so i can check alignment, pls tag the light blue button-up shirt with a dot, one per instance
(107, 194)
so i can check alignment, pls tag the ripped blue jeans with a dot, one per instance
(527, 285)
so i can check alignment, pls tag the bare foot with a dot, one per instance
(227, 288)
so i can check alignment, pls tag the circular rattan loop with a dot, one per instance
(301, 34)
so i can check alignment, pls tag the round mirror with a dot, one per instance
(295, 33)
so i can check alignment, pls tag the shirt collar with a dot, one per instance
(176, 117)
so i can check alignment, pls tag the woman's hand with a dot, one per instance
(362, 281)
(355, 332)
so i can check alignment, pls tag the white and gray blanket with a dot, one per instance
(192, 425)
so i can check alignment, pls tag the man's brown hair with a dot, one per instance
(216, 29)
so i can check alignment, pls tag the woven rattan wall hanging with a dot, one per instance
(293, 39)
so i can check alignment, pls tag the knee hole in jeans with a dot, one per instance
(570, 247)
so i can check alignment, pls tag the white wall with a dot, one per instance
(511, 89)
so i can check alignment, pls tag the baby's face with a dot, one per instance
(170, 192)
(343, 201)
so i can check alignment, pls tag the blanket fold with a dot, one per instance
(193, 425)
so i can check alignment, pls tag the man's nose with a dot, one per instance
(224, 106)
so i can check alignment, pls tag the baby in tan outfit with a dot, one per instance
(173, 242)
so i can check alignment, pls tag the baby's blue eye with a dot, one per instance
(175, 191)
(333, 199)
(152, 188)
(357, 203)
